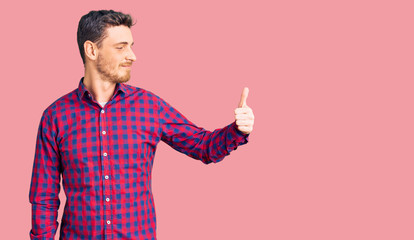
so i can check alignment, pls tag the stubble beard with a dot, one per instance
(111, 75)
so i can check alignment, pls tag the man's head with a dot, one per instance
(105, 40)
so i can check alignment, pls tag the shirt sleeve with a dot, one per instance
(197, 142)
(45, 182)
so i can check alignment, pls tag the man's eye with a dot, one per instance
(119, 47)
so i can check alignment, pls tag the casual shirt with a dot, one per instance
(105, 157)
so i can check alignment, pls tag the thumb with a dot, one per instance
(243, 98)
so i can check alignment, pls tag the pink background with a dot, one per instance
(331, 86)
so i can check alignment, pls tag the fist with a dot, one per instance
(243, 114)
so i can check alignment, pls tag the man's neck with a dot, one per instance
(101, 90)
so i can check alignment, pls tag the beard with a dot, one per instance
(111, 74)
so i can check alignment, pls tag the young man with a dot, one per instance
(102, 136)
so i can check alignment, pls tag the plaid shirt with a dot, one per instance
(105, 156)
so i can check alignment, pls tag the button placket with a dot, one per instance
(105, 158)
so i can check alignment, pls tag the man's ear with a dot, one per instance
(91, 50)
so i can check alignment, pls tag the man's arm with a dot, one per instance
(196, 142)
(45, 182)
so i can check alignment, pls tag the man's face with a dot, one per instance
(115, 56)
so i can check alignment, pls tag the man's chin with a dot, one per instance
(123, 79)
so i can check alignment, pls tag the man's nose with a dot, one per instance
(131, 56)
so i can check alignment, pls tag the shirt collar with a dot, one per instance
(120, 87)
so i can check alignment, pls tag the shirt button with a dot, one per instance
(102, 111)
(89, 94)
(106, 176)
(107, 199)
(103, 132)
(108, 222)
(105, 154)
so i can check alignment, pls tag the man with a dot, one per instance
(102, 136)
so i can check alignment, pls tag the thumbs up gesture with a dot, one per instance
(243, 114)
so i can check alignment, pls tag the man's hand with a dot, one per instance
(243, 114)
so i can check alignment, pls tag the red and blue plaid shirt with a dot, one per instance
(105, 156)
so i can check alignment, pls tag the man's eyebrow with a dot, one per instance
(124, 43)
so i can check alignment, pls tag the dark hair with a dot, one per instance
(93, 25)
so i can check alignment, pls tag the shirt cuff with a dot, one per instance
(239, 137)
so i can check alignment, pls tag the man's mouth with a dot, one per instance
(126, 65)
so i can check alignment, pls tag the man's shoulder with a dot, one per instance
(141, 92)
(69, 99)
(62, 102)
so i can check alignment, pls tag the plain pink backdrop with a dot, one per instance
(331, 86)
